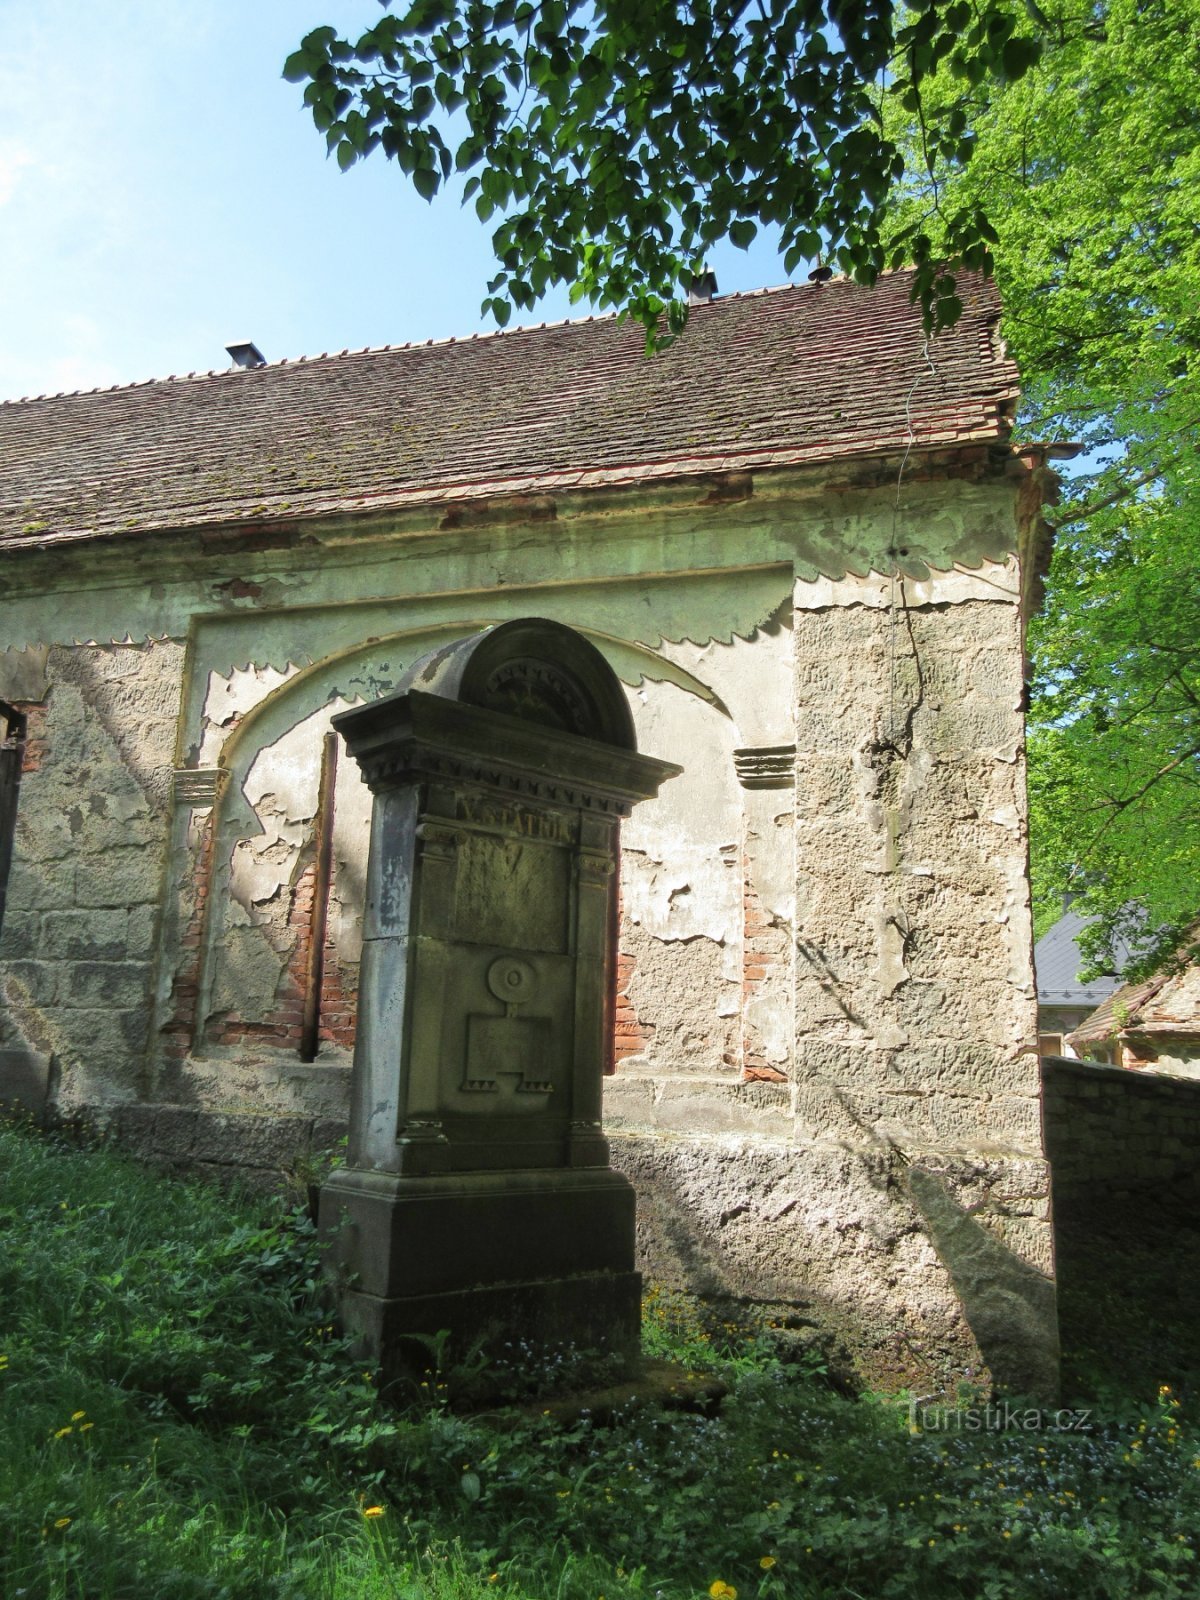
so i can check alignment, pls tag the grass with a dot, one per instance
(179, 1421)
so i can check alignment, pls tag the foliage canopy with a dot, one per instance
(616, 142)
(1054, 140)
(1090, 169)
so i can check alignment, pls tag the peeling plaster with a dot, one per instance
(866, 936)
(991, 580)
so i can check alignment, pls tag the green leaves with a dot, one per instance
(1085, 185)
(425, 182)
(1017, 56)
(618, 143)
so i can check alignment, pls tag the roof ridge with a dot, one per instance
(478, 337)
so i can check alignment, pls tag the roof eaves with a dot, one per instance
(629, 475)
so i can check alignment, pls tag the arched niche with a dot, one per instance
(263, 843)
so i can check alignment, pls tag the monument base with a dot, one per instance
(513, 1267)
(512, 1339)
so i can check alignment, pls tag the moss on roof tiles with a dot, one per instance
(750, 375)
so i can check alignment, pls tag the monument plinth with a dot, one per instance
(478, 1198)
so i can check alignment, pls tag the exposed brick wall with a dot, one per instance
(35, 749)
(765, 948)
(339, 999)
(632, 1034)
(1111, 1132)
(339, 989)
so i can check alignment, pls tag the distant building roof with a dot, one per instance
(1163, 1006)
(787, 376)
(1056, 962)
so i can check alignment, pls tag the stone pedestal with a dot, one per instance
(478, 1199)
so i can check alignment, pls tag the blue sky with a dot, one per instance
(163, 191)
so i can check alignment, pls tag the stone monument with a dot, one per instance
(478, 1198)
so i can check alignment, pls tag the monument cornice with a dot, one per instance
(414, 736)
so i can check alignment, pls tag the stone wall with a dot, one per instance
(891, 1185)
(1112, 1133)
(81, 932)
(827, 1076)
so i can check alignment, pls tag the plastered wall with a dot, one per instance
(826, 1075)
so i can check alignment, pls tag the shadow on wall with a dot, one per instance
(814, 1217)
(1009, 1305)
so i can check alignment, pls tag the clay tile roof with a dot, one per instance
(1120, 1011)
(1167, 1004)
(780, 377)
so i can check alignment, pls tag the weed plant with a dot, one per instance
(179, 1421)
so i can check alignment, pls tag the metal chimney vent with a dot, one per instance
(702, 288)
(246, 354)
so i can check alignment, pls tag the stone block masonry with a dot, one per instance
(1113, 1134)
(811, 585)
(887, 1184)
(825, 1086)
(78, 947)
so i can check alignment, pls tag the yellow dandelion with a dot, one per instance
(63, 1432)
(84, 1426)
(493, 1577)
(766, 1562)
(62, 1522)
(372, 1511)
(722, 1591)
(78, 1416)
